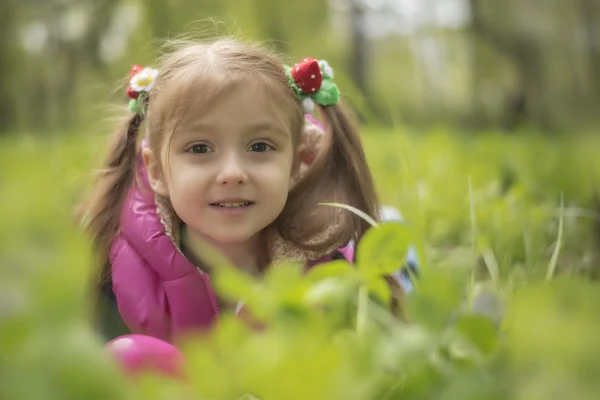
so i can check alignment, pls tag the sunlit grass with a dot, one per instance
(516, 184)
(483, 207)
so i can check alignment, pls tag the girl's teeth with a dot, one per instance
(236, 204)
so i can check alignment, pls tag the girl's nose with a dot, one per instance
(232, 172)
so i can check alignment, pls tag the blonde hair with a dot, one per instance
(193, 76)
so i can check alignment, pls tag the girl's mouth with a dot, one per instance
(234, 204)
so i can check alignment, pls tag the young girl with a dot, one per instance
(230, 160)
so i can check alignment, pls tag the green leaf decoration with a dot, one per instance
(328, 95)
(322, 65)
(301, 95)
(134, 105)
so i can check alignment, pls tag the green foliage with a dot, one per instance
(328, 333)
(516, 184)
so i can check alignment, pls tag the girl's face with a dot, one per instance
(227, 172)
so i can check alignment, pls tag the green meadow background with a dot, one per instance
(482, 131)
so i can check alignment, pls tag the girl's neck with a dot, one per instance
(249, 256)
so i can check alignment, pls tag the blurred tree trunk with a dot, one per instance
(525, 55)
(158, 18)
(590, 15)
(359, 57)
(8, 63)
(99, 24)
(62, 72)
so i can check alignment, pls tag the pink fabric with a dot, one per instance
(138, 354)
(348, 252)
(159, 292)
(315, 121)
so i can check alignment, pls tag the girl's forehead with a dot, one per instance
(245, 103)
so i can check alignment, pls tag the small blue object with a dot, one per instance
(402, 275)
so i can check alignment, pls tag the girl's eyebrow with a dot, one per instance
(200, 127)
(203, 127)
(266, 127)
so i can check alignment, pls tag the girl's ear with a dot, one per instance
(155, 174)
(315, 141)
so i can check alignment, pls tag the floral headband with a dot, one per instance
(141, 81)
(311, 80)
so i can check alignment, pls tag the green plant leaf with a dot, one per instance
(480, 330)
(284, 284)
(325, 291)
(438, 298)
(383, 250)
(234, 285)
(379, 287)
(332, 269)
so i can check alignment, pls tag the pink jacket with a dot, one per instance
(158, 291)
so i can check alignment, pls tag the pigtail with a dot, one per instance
(101, 213)
(349, 168)
(349, 162)
(341, 175)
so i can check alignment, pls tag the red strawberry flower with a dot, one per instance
(132, 93)
(307, 75)
(143, 80)
(136, 69)
(140, 80)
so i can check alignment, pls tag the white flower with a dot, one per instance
(308, 105)
(326, 68)
(144, 80)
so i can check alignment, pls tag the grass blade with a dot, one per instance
(556, 252)
(471, 289)
(354, 210)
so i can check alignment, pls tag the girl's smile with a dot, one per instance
(232, 207)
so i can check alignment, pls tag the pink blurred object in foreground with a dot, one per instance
(140, 353)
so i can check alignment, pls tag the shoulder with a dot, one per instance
(153, 305)
(137, 291)
(126, 263)
(143, 236)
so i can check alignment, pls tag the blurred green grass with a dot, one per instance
(513, 183)
(487, 203)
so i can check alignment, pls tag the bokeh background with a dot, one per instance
(479, 117)
(474, 64)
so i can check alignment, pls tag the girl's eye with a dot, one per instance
(260, 147)
(200, 149)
